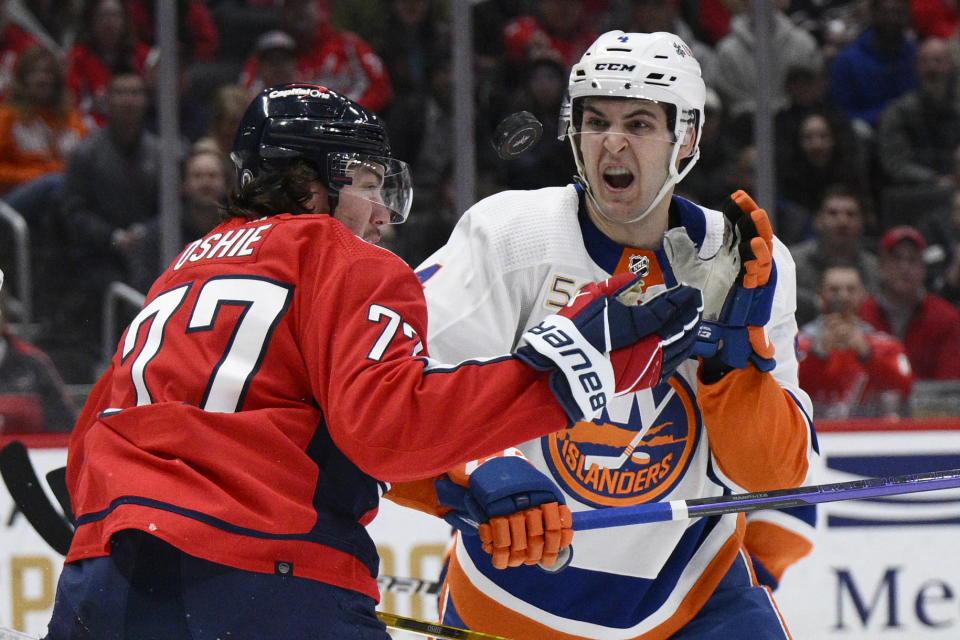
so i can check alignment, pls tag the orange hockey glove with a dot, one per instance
(518, 511)
(528, 537)
(739, 335)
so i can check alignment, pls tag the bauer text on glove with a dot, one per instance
(604, 344)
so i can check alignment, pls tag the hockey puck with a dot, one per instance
(516, 134)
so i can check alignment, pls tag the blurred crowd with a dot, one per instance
(866, 130)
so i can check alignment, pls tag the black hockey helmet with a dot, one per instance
(295, 120)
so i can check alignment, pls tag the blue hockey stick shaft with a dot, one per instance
(743, 502)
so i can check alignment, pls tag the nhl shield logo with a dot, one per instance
(640, 265)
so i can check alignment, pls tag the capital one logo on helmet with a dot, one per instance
(313, 92)
(636, 452)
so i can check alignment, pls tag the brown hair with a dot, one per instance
(282, 190)
(26, 63)
(229, 101)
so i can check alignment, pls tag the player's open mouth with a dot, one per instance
(617, 177)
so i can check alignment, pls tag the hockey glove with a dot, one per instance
(604, 344)
(739, 335)
(518, 512)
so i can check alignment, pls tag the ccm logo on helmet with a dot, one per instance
(313, 92)
(614, 66)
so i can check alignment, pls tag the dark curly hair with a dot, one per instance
(284, 189)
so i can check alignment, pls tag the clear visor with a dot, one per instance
(646, 136)
(643, 122)
(384, 182)
(638, 126)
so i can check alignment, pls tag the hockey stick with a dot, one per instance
(57, 479)
(409, 586)
(29, 496)
(744, 502)
(392, 620)
(432, 629)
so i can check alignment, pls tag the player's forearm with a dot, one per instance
(758, 434)
(447, 418)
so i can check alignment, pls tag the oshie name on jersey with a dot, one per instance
(234, 243)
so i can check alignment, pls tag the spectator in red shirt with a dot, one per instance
(196, 28)
(848, 367)
(928, 325)
(557, 29)
(32, 395)
(338, 60)
(105, 42)
(713, 17)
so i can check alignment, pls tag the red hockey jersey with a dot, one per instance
(272, 384)
(338, 60)
(842, 385)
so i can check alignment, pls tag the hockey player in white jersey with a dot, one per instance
(731, 420)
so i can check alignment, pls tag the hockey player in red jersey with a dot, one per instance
(276, 381)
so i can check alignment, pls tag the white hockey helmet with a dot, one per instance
(649, 66)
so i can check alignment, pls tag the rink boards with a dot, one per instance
(886, 568)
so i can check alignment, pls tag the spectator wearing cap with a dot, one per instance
(928, 325)
(337, 59)
(276, 55)
(936, 18)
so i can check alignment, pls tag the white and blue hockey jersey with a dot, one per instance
(514, 258)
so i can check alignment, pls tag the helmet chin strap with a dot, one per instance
(672, 178)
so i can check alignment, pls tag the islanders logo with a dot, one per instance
(636, 452)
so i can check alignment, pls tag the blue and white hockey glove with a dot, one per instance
(738, 335)
(604, 344)
(518, 512)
